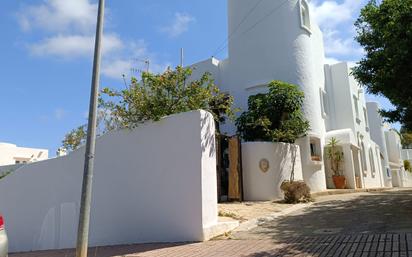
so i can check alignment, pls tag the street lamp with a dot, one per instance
(84, 217)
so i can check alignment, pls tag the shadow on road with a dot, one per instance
(388, 212)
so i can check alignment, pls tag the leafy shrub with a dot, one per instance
(5, 174)
(407, 165)
(153, 97)
(296, 192)
(276, 116)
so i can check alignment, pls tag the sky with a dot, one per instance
(46, 53)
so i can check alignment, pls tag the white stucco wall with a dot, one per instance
(378, 136)
(264, 186)
(10, 153)
(156, 183)
(406, 154)
(394, 146)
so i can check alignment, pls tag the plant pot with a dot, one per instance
(339, 181)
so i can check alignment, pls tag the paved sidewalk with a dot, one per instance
(361, 224)
(337, 245)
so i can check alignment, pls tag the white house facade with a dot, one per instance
(279, 40)
(12, 154)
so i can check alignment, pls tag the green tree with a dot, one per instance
(154, 97)
(406, 138)
(384, 30)
(159, 95)
(276, 116)
(74, 138)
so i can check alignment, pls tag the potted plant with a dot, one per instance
(336, 157)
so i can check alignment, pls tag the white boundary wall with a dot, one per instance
(156, 183)
(264, 186)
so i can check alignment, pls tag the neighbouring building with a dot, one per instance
(12, 154)
(393, 142)
(407, 154)
(377, 131)
(273, 40)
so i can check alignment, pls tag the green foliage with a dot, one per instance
(407, 165)
(384, 30)
(160, 95)
(334, 155)
(4, 174)
(74, 138)
(406, 138)
(154, 97)
(275, 116)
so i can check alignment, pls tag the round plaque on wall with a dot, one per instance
(264, 165)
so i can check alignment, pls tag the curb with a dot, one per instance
(351, 191)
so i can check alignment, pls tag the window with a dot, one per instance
(363, 157)
(304, 15)
(312, 149)
(315, 149)
(388, 172)
(324, 102)
(355, 102)
(17, 162)
(365, 116)
(372, 161)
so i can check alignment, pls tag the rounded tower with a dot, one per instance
(278, 40)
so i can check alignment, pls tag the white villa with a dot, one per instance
(12, 154)
(279, 40)
(169, 166)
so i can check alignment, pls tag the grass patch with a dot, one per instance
(230, 215)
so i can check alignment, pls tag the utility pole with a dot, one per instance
(84, 217)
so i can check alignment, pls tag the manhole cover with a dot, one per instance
(328, 231)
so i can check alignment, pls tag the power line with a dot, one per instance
(254, 25)
(236, 28)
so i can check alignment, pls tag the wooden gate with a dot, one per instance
(235, 192)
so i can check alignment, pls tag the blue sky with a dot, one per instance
(46, 53)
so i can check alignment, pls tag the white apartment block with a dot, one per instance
(11, 154)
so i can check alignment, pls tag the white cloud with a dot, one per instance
(132, 59)
(336, 19)
(330, 60)
(59, 113)
(72, 46)
(338, 44)
(117, 68)
(179, 25)
(330, 13)
(69, 27)
(58, 16)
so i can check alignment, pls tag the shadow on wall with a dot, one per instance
(208, 138)
(164, 166)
